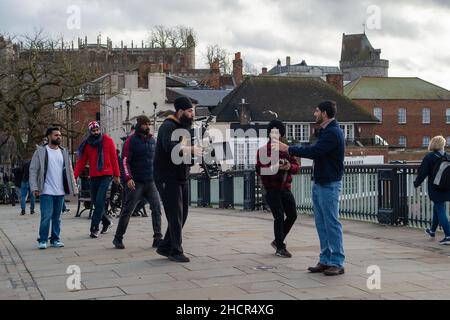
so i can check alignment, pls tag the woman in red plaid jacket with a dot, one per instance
(277, 179)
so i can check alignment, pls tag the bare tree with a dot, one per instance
(172, 38)
(250, 68)
(215, 52)
(32, 82)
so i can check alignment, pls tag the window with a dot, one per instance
(245, 153)
(448, 141)
(349, 131)
(402, 115)
(378, 113)
(447, 116)
(425, 141)
(426, 116)
(298, 132)
(402, 141)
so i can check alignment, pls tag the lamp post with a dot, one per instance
(127, 122)
(154, 116)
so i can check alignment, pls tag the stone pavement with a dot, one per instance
(231, 258)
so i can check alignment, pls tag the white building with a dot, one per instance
(122, 98)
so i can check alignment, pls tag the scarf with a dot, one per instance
(95, 143)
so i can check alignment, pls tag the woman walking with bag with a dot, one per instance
(438, 197)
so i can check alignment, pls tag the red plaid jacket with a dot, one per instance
(282, 179)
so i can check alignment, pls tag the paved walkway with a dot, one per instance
(231, 258)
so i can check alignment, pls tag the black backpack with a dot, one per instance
(440, 177)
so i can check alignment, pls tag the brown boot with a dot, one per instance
(333, 271)
(318, 268)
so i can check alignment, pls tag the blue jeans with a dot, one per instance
(440, 218)
(99, 188)
(51, 207)
(329, 228)
(24, 192)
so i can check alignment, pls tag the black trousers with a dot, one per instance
(175, 198)
(282, 202)
(148, 192)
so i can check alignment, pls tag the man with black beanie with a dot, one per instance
(277, 179)
(137, 162)
(171, 171)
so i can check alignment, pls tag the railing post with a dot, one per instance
(249, 190)
(392, 197)
(203, 199)
(226, 191)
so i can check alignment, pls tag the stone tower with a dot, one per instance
(360, 59)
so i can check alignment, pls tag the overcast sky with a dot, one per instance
(413, 34)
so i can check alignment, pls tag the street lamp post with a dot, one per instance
(127, 122)
(154, 116)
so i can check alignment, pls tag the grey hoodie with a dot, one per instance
(38, 171)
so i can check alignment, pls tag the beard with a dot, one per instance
(186, 122)
(96, 136)
(144, 132)
(56, 142)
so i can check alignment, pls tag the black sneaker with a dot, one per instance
(118, 244)
(32, 212)
(179, 258)
(94, 234)
(22, 213)
(156, 242)
(274, 245)
(430, 233)
(283, 253)
(445, 241)
(163, 252)
(106, 228)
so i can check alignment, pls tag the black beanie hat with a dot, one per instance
(277, 124)
(183, 103)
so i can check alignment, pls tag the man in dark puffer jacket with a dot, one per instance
(137, 161)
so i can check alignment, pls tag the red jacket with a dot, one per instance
(111, 164)
(282, 179)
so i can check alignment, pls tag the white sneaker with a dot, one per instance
(42, 245)
(57, 244)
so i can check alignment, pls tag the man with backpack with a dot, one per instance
(439, 193)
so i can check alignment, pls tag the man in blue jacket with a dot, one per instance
(137, 161)
(328, 156)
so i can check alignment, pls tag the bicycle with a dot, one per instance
(8, 194)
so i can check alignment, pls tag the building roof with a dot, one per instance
(299, 68)
(174, 81)
(356, 47)
(381, 88)
(171, 95)
(205, 98)
(292, 98)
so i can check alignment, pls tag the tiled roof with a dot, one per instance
(206, 98)
(292, 98)
(378, 88)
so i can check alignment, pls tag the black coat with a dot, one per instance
(425, 171)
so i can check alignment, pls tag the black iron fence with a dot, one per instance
(378, 193)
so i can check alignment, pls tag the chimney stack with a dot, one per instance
(288, 61)
(238, 69)
(264, 71)
(336, 81)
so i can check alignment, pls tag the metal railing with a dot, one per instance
(379, 193)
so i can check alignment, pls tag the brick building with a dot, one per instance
(411, 111)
